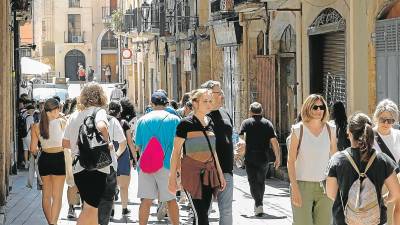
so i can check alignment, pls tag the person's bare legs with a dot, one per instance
(88, 215)
(46, 197)
(173, 212)
(57, 192)
(123, 183)
(144, 211)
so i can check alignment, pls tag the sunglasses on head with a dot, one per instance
(387, 120)
(321, 107)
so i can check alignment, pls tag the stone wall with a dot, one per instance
(6, 99)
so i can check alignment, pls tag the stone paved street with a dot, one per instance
(24, 205)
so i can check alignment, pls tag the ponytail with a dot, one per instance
(44, 125)
(360, 127)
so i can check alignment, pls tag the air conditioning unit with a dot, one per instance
(76, 39)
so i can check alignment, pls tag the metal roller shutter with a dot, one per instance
(334, 54)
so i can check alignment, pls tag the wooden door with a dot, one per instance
(109, 59)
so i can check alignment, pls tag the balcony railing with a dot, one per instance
(131, 20)
(74, 37)
(221, 6)
(106, 14)
(74, 3)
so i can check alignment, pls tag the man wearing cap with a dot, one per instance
(161, 125)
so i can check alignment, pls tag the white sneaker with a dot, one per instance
(259, 211)
(27, 165)
(162, 211)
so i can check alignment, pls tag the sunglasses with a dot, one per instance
(321, 107)
(387, 120)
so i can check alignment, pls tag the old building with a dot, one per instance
(169, 44)
(75, 31)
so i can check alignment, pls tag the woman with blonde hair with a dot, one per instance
(201, 173)
(51, 162)
(387, 140)
(91, 183)
(312, 143)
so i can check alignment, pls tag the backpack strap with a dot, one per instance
(382, 145)
(354, 165)
(300, 138)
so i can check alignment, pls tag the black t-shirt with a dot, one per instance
(340, 167)
(259, 132)
(223, 129)
(191, 129)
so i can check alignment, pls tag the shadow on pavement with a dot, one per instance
(123, 219)
(265, 217)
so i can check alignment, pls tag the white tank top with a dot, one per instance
(56, 134)
(313, 157)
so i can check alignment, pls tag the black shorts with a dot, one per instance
(91, 186)
(51, 164)
(82, 78)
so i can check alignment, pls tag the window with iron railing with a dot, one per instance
(74, 36)
(109, 41)
(155, 15)
(130, 22)
(74, 3)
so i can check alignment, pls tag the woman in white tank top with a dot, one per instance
(51, 161)
(312, 143)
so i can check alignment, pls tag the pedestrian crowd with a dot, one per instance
(341, 171)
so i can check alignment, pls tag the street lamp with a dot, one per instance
(145, 12)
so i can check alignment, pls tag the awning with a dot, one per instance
(30, 66)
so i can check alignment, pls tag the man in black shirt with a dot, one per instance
(259, 134)
(223, 129)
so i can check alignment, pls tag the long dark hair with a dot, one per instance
(360, 126)
(128, 110)
(50, 105)
(114, 109)
(339, 114)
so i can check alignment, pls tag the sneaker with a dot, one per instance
(162, 211)
(125, 212)
(71, 213)
(112, 214)
(259, 211)
(27, 165)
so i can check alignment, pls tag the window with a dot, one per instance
(25, 52)
(74, 3)
(109, 41)
(74, 28)
(262, 44)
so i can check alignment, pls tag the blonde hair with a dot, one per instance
(195, 95)
(308, 104)
(92, 94)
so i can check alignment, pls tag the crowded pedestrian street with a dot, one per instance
(24, 205)
(200, 112)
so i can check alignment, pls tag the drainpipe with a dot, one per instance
(245, 65)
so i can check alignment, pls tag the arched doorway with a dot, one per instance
(109, 56)
(327, 39)
(72, 58)
(387, 46)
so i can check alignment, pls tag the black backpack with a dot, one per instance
(93, 150)
(22, 131)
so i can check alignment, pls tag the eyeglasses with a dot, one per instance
(321, 107)
(387, 120)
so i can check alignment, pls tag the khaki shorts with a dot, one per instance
(154, 186)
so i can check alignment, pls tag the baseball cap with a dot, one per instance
(159, 98)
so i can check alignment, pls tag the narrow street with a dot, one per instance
(24, 205)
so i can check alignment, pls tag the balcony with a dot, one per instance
(244, 6)
(74, 37)
(106, 13)
(74, 3)
(131, 20)
(221, 8)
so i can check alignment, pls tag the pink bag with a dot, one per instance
(152, 158)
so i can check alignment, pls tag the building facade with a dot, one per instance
(73, 32)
